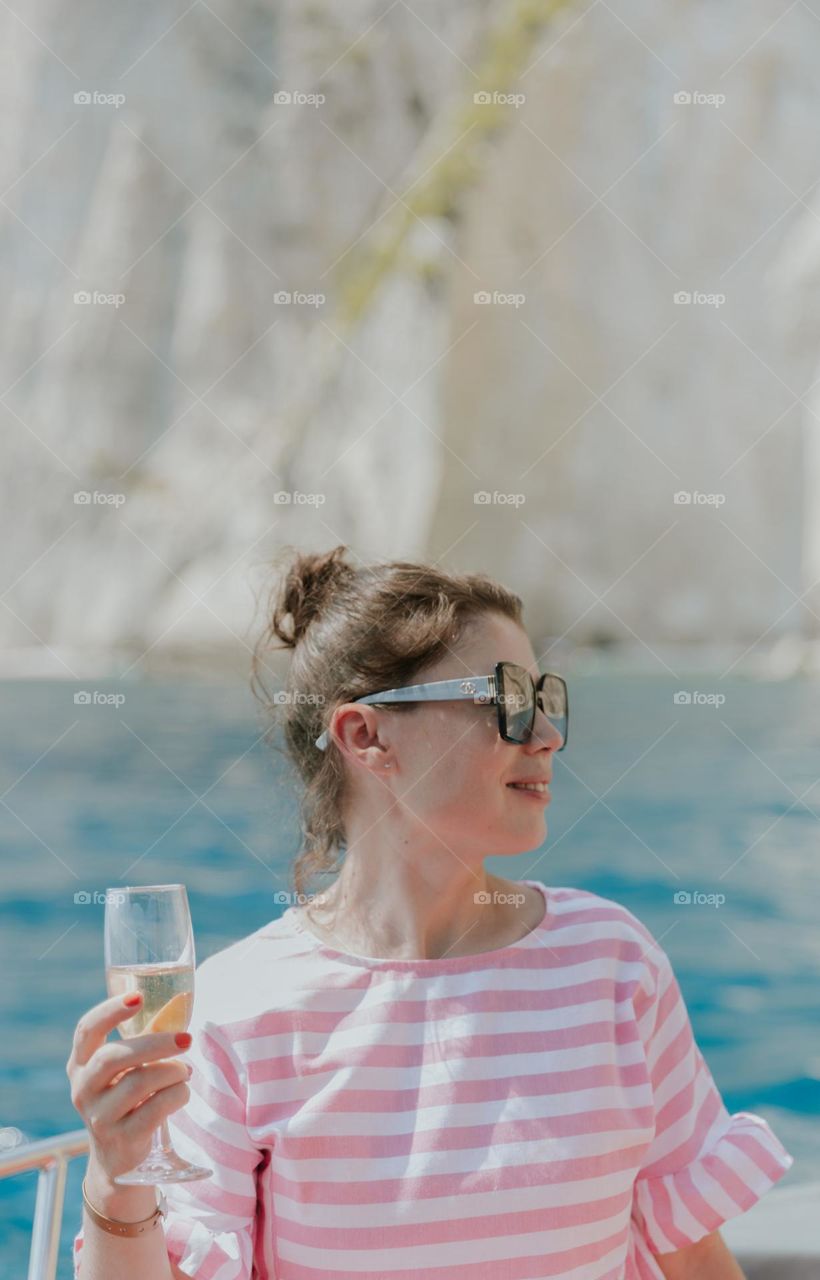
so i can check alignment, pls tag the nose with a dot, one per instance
(545, 733)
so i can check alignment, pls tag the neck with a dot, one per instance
(417, 908)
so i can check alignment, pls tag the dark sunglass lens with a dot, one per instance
(552, 698)
(517, 701)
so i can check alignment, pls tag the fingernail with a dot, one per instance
(189, 1069)
(183, 1040)
(132, 999)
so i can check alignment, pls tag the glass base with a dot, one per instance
(159, 1167)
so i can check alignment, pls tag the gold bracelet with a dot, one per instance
(117, 1227)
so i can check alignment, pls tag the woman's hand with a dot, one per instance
(123, 1089)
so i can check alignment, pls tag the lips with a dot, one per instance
(535, 786)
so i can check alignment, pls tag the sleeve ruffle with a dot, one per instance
(673, 1210)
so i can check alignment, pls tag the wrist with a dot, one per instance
(127, 1204)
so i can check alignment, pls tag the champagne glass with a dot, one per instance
(149, 947)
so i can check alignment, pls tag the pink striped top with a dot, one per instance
(541, 1110)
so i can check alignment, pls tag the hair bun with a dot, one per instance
(309, 582)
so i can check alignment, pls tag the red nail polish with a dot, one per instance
(133, 999)
(183, 1040)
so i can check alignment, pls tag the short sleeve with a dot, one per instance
(703, 1165)
(210, 1224)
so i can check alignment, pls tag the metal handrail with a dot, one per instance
(50, 1156)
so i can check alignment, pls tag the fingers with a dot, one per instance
(133, 1089)
(93, 1027)
(151, 1113)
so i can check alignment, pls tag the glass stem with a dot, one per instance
(161, 1142)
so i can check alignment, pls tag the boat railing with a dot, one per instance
(50, 1156)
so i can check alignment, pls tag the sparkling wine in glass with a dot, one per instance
(149, 947)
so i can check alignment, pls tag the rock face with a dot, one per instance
(491, 287)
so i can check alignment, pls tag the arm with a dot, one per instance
(107, 1257)
(707, 1259)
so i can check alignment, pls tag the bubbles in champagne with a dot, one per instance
(167, 996)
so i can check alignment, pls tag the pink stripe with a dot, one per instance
(446, 1093)
(405, 1010)
(535, 1129)
(299, 1064)
(453, 1229)
(750, 1144)
(431, 1186)
(216, 1148)
(534, 1267)
(221, 1103)
(212, 1051)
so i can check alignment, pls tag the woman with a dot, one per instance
(428, 1070)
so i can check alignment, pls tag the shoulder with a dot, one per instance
(581, 918)
(251, 977)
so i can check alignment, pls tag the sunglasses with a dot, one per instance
(511, 689)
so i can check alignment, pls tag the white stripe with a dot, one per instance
(507, 1067)
(493, 1023)
(544, 1244)
(551, 1195)
(425, 1164)
(316, 1122)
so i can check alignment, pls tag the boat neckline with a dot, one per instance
(433, 964)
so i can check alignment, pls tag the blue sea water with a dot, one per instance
(651, 799)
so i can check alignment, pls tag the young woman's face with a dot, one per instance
(451, 771)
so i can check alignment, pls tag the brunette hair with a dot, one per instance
(353, 630)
